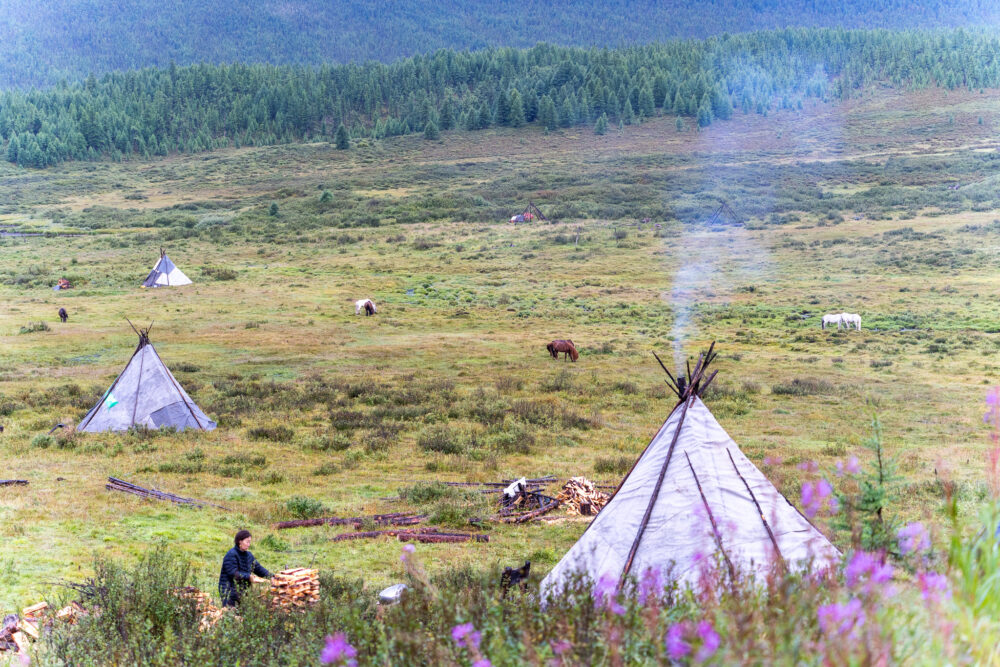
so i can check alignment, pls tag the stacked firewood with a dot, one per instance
(295, 589)
(16, 631)
(210, 614)
(579, 496)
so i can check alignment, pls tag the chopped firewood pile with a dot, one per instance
(16, 630)
(126, 487)
(580, 496)
(210, 614)
(295, 589)
(393, 519)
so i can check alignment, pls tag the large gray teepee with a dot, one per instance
(691, 496)
(145, 394)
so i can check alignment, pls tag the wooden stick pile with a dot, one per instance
(579, 496)
(295, 589)
(126, 487)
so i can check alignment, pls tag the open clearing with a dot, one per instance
(885, 207)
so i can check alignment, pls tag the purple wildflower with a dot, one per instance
(841, 619)
(650, 585)
(853, 466)
(561, 647)
(808, 466)
(709, 641)
(466, 635)
(868, 567)
(772, 460)
(816, 497)
(482, 662)
(407, 550)
(913, 537)
(338, 651)
(933, 586)
(677, 648)
(606, 594)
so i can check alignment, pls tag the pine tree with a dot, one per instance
(628, 115)
(431, 132)
(515, 114)
(273, 209)
(679, 124)
(547, 113)
(647, 107)
(601, 126)
(342, 141)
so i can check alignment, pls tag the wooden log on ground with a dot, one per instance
(394, 519)
(13, 482)
(127, 487)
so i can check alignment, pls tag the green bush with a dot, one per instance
(304, 508)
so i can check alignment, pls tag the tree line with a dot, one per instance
(42, 41)
(156, 111)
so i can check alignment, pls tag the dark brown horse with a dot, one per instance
(566, 346)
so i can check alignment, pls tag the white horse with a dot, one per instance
(835, 318)
(366, 305)
(851, 320)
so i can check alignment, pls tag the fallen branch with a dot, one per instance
(394, 519)
(126, 487)
(419, 535)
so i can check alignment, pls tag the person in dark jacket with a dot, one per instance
(237, 566)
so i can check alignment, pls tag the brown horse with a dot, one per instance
(566, 346)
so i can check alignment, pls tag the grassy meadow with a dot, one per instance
(883, 205)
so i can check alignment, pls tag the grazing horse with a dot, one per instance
(365, 304)
(63, 315)
(835, 318)
(851, 320)
(565, 346)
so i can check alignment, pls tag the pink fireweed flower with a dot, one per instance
(869, 568)
(482, 662)
(606, 595)
(913, 538)
(933, 586)
(677, 648)
(338, 651)
(709, 641)
(808, 466)
(817, 497)
(407, 550)
(772, 460)
(465, 635)
(650, 585)
(852, 467)
(841, 619)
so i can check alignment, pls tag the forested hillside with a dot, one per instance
(42, 41)
(189, 109)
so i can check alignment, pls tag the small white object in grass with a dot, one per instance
(392, 595)
(511, 491)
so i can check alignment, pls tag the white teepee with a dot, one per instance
(693, 495)
(165, 274)
(145, 394)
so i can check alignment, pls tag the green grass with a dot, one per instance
(451, 380)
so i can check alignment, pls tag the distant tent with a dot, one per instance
(693, 495)
(145, 394)
(165, 274)
(529, 214)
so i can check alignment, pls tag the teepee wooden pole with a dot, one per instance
(711, 518)
(760, 511)
(656, 493)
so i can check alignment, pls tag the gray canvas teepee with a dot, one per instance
(693, 495)
(165, 274)
(145, 394)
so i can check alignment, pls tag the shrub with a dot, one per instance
(42, 441)
(613, 465)
(304, 508)
(443, 439)
(219, 273)
(277, 433)
(32, 327)
(803, 387)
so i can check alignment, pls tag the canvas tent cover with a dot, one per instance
(679, 532)
(145, 394)
(165, 274)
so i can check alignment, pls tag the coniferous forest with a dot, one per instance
(156, 111)
(43, 42)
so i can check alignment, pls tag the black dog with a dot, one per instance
(63, 315)
(515, 576)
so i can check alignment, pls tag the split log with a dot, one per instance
(28, 628)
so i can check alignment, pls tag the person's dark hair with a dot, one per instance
(240, 536)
